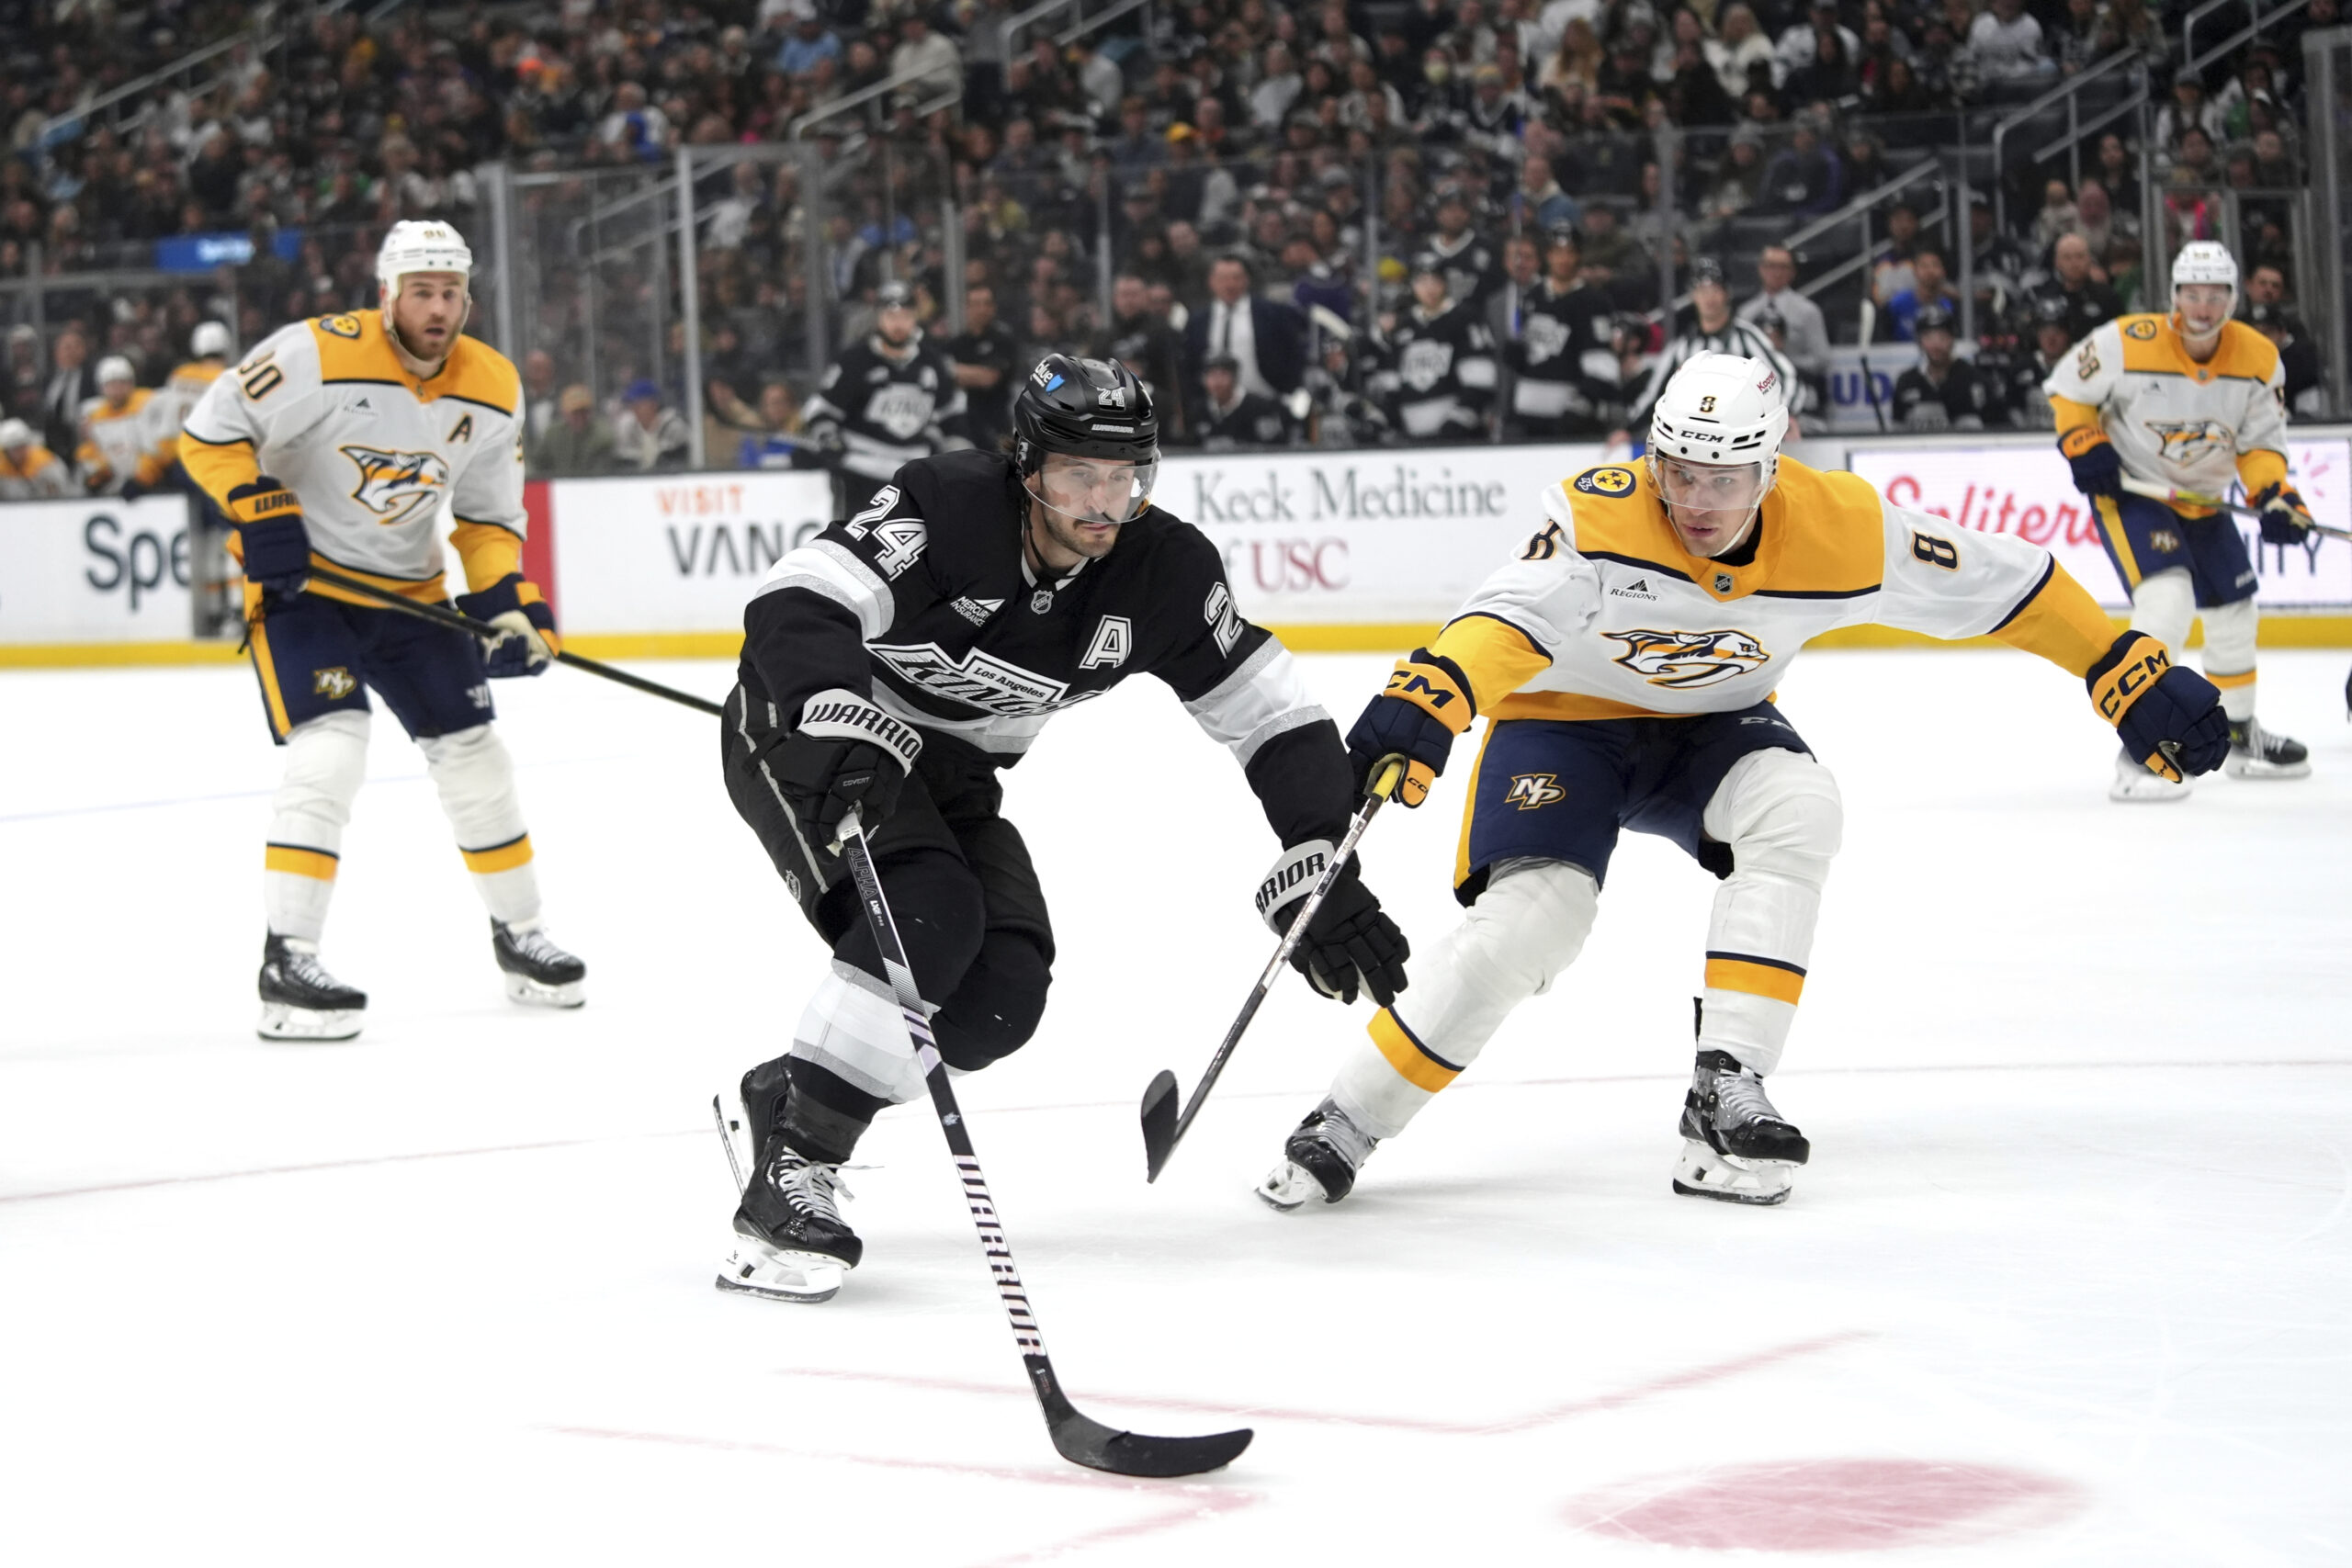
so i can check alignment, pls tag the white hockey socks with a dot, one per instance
(1780, 814)
(476, 779)
(1526, 928)
(852, 1028)
(2229, 656)
(327, 758)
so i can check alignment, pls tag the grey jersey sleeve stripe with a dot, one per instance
(1262, 698)
(825, 567)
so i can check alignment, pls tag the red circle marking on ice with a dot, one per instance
(1829, 1505)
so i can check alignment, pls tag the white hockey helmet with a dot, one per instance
(1721, 410)
(211, 340)
(115, 367)
(2206, 261)
(412, 246)
(15, 433)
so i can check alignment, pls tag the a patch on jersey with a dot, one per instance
(397, 486)
(2143, 329)
(977, 611)
(1114, 637)
(899, 544)
(1724, 583)
(341, 326)
(977, 680)
(2185, 441)
(901, 409)
(1682, 659)
(1425, 362)
(462, 431)
(1219, 613)
(2162, 540)
(1531, 792)
(1545, 337)
(335, 683)
(1606, 481)
(1041, 600)
(1637, 589)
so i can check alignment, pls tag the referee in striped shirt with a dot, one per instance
(1717, 330)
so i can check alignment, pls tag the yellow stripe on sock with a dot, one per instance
(2231, 682)
(1414, 1065)
(1727, 972)
(499, 857)
(299, 862)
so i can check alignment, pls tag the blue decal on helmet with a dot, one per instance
(1055, 382)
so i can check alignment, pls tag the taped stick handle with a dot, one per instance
(451, 619)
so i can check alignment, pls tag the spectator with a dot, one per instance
(1929, 288)
(984, 356)
(2058, 215)
(1139, 338)
(2098, 223)
(2188, 108)
(1806, 335)
(647, 436)
(2305, 397)
(769, 443)
(72, 385)
(811, 44)
(1997, 264)
(1740, 177)
(1559, 373)
(1614, 260)
(2088, 302)
(1267, 340)
(1098, 76)
(1736, 55)
(1233, 418)
(538, 394)
(577, 441)
(1539, 203)
(1472, 268)
(928, 60)
(1941, 392)
(1806, 178)
(1800, 45)
(2006, 44)
(2024, 404)
(1438, 376)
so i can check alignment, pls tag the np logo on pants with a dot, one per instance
(336, 683)
(1531, 791)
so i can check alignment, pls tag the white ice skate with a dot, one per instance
(2134, 783)
(2256, 753)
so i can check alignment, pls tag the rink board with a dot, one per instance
(1361, 551)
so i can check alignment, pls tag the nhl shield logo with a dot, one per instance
(335, 683)
(1722, 582)
(1041, 600)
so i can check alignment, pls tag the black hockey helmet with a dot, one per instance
(1932, 319)
(1094, 409)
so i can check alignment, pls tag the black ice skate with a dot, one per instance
(1320, 1160)
(1736, 1147)
(791, 1245)
(299, 1001)
(2256, 753)
(539, 973)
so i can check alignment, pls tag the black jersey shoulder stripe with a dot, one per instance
(1637, 562)
(1533, 641)
(1818, 593)
(2049, 570)
(358, 382)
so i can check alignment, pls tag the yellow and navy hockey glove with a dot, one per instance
(2097, 470)
(515, 606)
(2170, 719)
(272, 539)
(2285, 519)
(1426, 705)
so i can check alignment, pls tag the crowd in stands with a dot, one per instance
(1263, 185)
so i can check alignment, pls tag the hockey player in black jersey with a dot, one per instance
(893, 664)
(1942, 391)
(1562, 375)
(1234, 418)
(1440, 371)
(886, 400)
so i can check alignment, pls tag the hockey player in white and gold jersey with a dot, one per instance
(341, 443)
(1627, 661)
(2191, 400)
(117, 427)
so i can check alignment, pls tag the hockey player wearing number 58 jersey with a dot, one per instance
(893, 665)
(2191, 400)
(1626, 663)
(340, 443)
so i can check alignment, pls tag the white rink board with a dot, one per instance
(2028, 489)
(101, 570)
(678, 552)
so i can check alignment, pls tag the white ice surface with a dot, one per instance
(2078, 1080)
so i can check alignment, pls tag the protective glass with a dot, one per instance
(1097, 490)
(1706, 487)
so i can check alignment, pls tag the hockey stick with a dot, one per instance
(1163, 1129)
(2154, 492)
(1077, 1438)
(1869, 324)
(457, 622)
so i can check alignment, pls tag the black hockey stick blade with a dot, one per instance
(1158, 1123)
(1081, 1439)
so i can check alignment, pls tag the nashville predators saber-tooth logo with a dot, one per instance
(2187, 440)
(397, 486)
(1688, 659)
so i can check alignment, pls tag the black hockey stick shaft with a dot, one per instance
(1077, 1438)
(1162, 1128)
(455, 622)
(2154, 492)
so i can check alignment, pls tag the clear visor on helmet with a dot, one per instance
(1708, 487)
(1097, 490)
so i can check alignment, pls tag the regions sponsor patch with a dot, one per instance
(1610, 480)
(341, 326)
(1680, 659)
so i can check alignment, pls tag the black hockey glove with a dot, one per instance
(1350, 940)
(530, 643)
(846, 752)
(2097, 470)
(2285, 519)
(2168, 717)
(1426, 705)
(276, 548)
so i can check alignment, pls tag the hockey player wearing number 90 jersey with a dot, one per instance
(2190, 401)
(341, 443)
(893, 665)
(1627, 662)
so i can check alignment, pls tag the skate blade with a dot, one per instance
(752, 1270)
(280, 1021)
(537, 994)
(1700, 1172)
(734, 1136)
(2250, 768)
(1289, 1187)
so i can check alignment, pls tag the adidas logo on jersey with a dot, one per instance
(977, 611)
(1637, 589)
